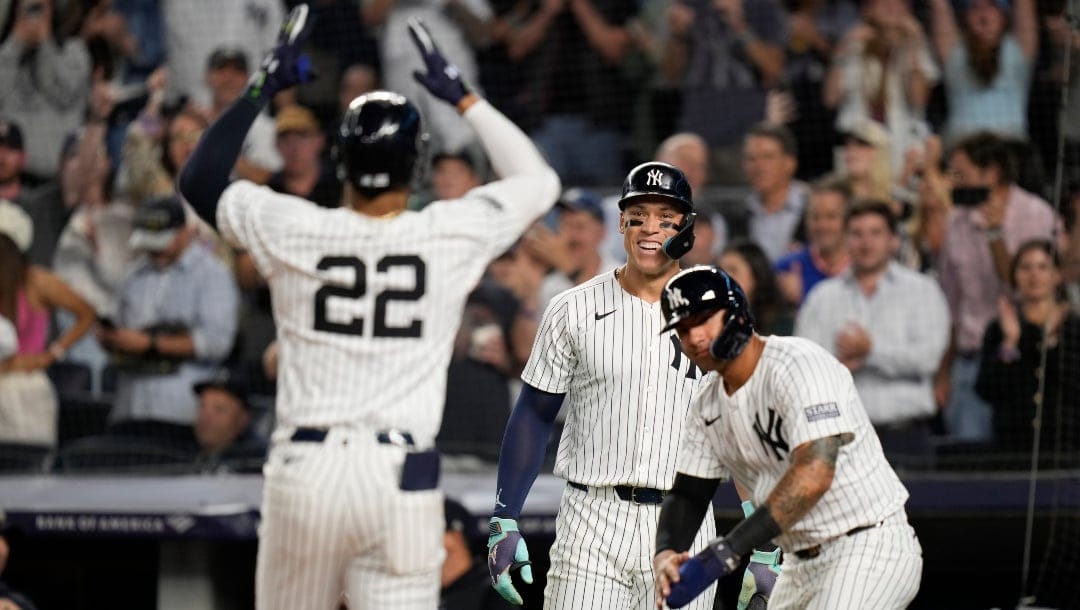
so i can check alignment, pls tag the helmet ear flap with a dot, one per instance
(682, 242)
(736, 333)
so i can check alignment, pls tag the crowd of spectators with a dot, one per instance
(875, 173)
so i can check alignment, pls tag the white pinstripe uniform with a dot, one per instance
(628, 389)
(366, 310)
(798, 393)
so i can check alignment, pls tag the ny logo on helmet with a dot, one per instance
(655, 177)
(675, 299)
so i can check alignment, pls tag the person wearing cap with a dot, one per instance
(44, 83)
(574, 251)
(28, 296)
(12, 161)
(176, 320)
(987, 66)
(867, 163)
(304, 173)
(223, 426)
(883, 69)
(465, 582)
(227, 73)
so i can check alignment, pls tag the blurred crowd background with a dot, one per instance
(898, 180)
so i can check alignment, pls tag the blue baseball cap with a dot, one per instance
(1004, 5)
(582, 200)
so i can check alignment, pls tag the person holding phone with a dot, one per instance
(44, 83)
(992, 216)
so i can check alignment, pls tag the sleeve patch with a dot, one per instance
(825, 410)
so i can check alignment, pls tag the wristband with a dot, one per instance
(756, 529)
(747, 508)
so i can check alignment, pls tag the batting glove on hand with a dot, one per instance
(443, 79)
(760, 577)
(701, 571)
(506, 552)
(284, 66)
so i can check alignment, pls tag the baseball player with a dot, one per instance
(367, 299)
(628, 390)
(783, 418)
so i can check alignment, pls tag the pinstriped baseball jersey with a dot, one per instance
(797, 393)
(628, 386)
(367, 308)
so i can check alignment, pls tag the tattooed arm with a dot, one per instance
(813, 465)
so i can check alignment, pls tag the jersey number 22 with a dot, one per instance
(359, 289)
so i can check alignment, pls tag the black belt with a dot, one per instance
(814, 551)
(628, 493)
(318, 435)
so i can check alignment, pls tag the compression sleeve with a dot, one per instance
(523, 448)
(683, 510)
(206, 173)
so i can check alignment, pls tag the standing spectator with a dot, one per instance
(226, 76)
(175, 322)
(992, 219)
(987, 67)
(194, 29)
(304, 173)
(577, 92)
(28, 295)
(747, 264)
(883, 71)
(1011, 373)
(888, 325)
(824, 255)
(44, 82)
(12, 162)
(728, 53)
(777, 202)
(867, 165)
(816, 27)
(447, 22)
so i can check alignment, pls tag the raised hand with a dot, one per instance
(284, 66)
(442, 78)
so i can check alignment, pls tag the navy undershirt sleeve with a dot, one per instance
(523, 448)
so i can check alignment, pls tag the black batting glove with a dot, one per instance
(443, 79)
(284, 66)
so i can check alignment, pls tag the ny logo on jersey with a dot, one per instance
(692, 372)
(771, 435)
(655, 177)
(675, 299)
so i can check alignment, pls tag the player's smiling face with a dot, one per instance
(645, 225)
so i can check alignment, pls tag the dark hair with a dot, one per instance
(13, 267)
(833, 183)
(767, 302)
(166, 138)
(1044, 245)
(872, 206)
(782, 135)
(986, 150)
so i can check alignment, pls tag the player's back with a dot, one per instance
(367, 307)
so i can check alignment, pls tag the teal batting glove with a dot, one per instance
(506, 552)
(759, 578)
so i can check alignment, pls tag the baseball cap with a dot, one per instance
(227, 381)
(458, 518)
(227, 57)
(868, 132)
(1004, 5)
(582, 200)
(10, 135)
(16, 224)
(156, 223)
(296, 118)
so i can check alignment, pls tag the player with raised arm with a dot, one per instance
(781, 416)
(367, 299)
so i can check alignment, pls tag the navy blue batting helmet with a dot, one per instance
(379, 142)
(707, 289)
(655, 179)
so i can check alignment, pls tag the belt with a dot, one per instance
(318, 435)
(814, 551)
(629, 493)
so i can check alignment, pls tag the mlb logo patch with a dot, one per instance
(825, 410)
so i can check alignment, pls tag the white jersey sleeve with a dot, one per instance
(696, 456)
(258, 220)
(816, 393)
(554, 359)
